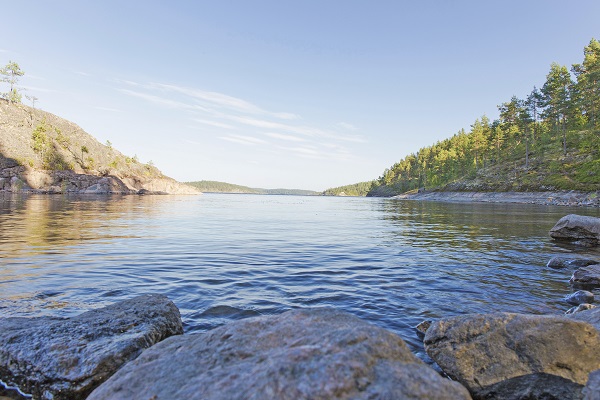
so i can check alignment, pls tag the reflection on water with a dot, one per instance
(225, 257)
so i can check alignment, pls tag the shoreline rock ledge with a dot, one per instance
(66, 358)
(300, 354)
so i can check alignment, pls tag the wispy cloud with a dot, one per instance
(346, 126)
(222, 111)
(107, 109)
(284, 137)
(38, 89)
(241, 139)
(82, 73)
(213, 123)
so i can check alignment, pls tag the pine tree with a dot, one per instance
(11, 74)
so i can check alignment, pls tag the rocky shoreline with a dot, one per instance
(553, 198)
(136, 349)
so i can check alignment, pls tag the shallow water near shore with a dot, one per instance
(224, 257)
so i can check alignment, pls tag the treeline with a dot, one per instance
(357, 189)
(224, 187)
(552, 123)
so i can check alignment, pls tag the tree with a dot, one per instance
(587, 87)
(556, 94)
(11, 74)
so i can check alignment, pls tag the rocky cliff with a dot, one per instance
(40, 152)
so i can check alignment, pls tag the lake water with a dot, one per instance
(226, 257)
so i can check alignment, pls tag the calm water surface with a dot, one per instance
(226, 257)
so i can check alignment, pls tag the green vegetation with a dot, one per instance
(10, 74)
(223, 187)
(357, 189)
(550, 140)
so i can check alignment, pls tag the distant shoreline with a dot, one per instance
(558, 198)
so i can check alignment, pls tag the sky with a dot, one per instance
(307, 94)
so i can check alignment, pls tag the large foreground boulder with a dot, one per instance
(579, 229)
(300, 354)
(515, 356)
(66, 358)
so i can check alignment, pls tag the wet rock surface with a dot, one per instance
(516, 356)
(579, 308)
(300, 354)
(560, 262)
(578, 229)
(66, 358)
(586, 277)
(580, 297)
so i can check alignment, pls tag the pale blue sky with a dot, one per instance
(298, 94)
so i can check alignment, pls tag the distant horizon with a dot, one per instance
(271, 94)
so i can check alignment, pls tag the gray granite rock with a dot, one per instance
(422, 327)
(579, 308)
(586, 277)
(300, 354)
(66, 358)
(591, 316)
(559, 262)
(506, 355)
(580, 297)
(579, 229)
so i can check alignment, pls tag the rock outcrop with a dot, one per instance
(300, 354)
(586, 277)
(66, 358)
(42, 153)
(578, 229)
(515, 356)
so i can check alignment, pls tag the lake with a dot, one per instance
(225, 257)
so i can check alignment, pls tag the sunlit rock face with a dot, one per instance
(515, 356)
(66, 358)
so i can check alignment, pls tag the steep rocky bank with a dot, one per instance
(42, 153)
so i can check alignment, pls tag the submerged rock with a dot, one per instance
(300, 354)
(580, 297)
(586, 277)
(515, 356)
(66, 358)
(558, 262)
(579, 229)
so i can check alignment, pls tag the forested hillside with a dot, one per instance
(357, 189)
(547, 140)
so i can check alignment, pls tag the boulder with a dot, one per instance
(591, 316)
(515, 356)
(580, 297)
(300, 354)
(559, 262)
(586, 277)
(579, 229)
(579, 308)
(66, 358)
